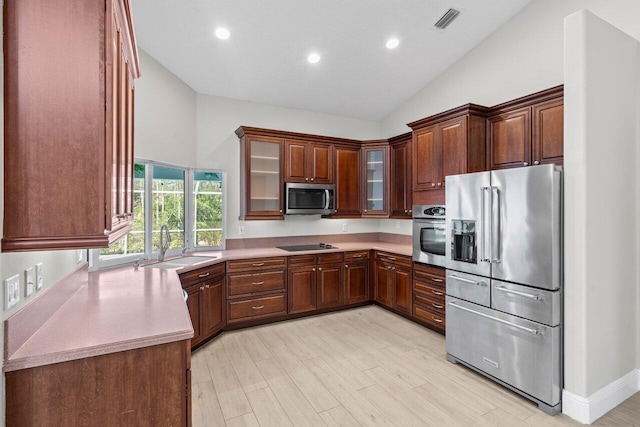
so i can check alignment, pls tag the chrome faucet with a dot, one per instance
(164, 243)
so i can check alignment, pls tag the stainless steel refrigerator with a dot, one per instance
(504, 278)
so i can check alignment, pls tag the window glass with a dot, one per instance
(207, 209)
(167, 205)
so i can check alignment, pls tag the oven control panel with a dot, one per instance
(428, 211)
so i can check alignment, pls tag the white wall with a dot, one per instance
(602, 79)
(523, 56)
(165, 114)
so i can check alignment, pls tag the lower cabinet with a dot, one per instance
(393, 281)
(429, 288)
(356, 282)
(141, 387)
(301, 286)
(205, 301)
(330, 285)
(256, 289)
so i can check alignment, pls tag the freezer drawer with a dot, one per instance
(524, 301)
(469, 287)
(521, 353)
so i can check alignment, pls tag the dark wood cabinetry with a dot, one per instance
(527, 131)
(400, 177)
(447, 144)
(309, 162)
(356, 277)
(206, 297)
(145, 386)
(315, 282)
(393, 281)
(429, 285)
(256, 289)
(348, 181)
(330, 285)
(301, 285)
(68, 133)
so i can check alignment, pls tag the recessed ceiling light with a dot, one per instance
(392, 43)
(222, 33)
(313, 58)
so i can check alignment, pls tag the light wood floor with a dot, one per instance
(365, 366)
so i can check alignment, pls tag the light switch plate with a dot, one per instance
(345, 227)
(29, 282)
(39, 277)
(241, 230)
(11, 291)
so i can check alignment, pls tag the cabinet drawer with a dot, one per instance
(302, 260)
(356, 256)
(252, 264)
(257, 307)
(256, 282)
(433, 276)
(428, 296)
(331, 257)
(392, 258)
(430, 316)
(201, 274)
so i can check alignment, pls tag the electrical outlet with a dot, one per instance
(241, 230)
(79, 255)
(29, 282)
(397, 224)
(345, 227)
(11, 291)
(39, 276)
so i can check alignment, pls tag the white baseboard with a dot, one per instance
(588, 409)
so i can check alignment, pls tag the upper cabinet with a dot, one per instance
(400, 176)
(68, 134)
(348, 181)
(447, 144)
(260, 175)
(376, 179)
(309, 162)
(527, 131)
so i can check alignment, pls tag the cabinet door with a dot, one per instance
(453, 135)
(321, 164)
(383, 282)
(426, 159)
(548, 132)
(264, 178)
(295, 157)
(510, 139)
(375, 169)
(193, 304)
(212, 306)
(301, 289)
(401, 193)
(330, 285)
(347, 181)
(403, 291)
(357, 282)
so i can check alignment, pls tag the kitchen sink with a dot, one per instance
(181, 262)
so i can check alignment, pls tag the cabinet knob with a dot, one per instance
(280, 210)
(410, 210)
(406, 211)
(202, 288)
(311, 179)
(433, 184)
(306, 179)
(346, 266)
(393, 268)
(536, 162)
(207, 286)
(439, 184)
(525, 164)
(388, 267)
(319, 269)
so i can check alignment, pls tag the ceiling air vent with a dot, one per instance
(447, 18)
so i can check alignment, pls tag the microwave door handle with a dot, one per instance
(326, 196)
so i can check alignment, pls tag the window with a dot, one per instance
(189, 201)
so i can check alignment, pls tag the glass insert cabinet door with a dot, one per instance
(375, 160)
(265, 179)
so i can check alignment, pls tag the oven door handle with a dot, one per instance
(486, 316)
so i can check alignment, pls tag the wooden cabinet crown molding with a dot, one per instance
(528, 100)
(467, 109)
(249, 131)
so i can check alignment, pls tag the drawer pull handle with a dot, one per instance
(439, 307)
(522, 294)
(391, 258)
(258, 307)
(463, 280)
(357, 256)
(258, 283)
(486, 316)
(203, 275)
(437, 293)
(435, 319)
(436, 280)
(258, 264)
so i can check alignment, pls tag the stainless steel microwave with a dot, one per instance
(309, 199)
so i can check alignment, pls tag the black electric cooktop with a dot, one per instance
(316, 247)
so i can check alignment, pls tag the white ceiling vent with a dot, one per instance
(447, 18)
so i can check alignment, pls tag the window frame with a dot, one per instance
(95, 260)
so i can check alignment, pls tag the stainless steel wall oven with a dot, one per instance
(429, 234)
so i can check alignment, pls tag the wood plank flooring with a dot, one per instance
(361, 367)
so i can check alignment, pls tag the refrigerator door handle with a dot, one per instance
(484, 227)
(486, 316)
(495, 225)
